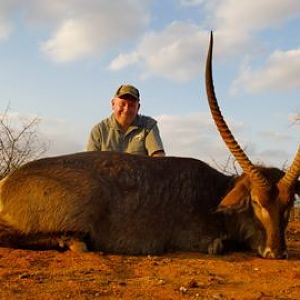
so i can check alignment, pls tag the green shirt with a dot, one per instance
(141, 138)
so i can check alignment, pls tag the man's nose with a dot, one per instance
(126, 107)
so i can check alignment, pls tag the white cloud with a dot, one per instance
(7, 7)
(124, 60)
(249, 15)
(62, 136)
(273, 157)
(191, 2)
(274, 136)
(101, 24)
(236, 22)
(73, 40)
(58, 135)
(78, 29)
(90, 28)
(281, 72)
(194, 135)
(172, 53)
(5, 30)
(295, 118)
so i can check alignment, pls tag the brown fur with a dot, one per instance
(128, 204)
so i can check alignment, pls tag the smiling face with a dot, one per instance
(125, 109)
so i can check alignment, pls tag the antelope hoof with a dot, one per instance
(73, 245)
(216, 247)
(77, 246)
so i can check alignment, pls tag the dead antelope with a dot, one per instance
(127, 204)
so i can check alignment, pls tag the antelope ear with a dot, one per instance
(236, 200)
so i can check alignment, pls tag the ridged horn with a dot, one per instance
(293, 172)
(228, 138)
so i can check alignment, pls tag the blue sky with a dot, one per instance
(62, 61)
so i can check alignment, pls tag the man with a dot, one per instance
(125, 130)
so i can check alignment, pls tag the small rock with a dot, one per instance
(218, 296)
(182, 289)
(161, 282)
(193, 284)
(24, 276)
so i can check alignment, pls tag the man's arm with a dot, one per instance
(153, 143)
(94, 141)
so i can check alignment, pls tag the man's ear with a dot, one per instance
(236, 200)
(112, 103)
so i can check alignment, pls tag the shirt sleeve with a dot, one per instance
(94, 141)
(153, 141)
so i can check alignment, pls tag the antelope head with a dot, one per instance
(270, 192)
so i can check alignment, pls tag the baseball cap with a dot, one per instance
(127, 89)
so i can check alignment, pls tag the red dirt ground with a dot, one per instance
(26, 274)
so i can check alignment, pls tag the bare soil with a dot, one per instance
(26, 274)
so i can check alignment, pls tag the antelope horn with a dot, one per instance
(293, 172)
(223, 128)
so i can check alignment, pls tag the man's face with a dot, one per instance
(125, 110)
